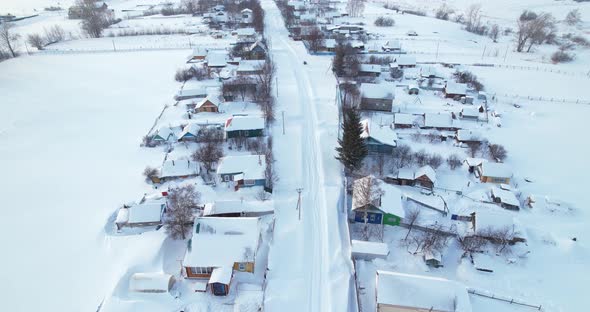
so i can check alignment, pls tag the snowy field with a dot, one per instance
(70, 131)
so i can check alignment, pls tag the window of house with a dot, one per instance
(246, 132)
(226, 178)
(241, 266)
(249, 182)
(372, 217)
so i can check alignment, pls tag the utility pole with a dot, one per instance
(437, 44)
(277, 86)
(484, 52)
(114, 48)
(299, 202)
(505, 53)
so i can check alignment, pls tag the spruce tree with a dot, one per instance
(338, 61)
(352, 149)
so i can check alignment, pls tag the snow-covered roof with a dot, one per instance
(433, 202)
(470, 112)
(257, 43)
(406, 60)
(237, 206)
(424, 292)
(247, 31)
(505, 196)
(429, 71)
(391, 200)
(370, 68)
(455, 88)
(191, 128)
(405, 173)
(252, 166)
(246, 10)
(192, 92)
(382, 133)
(427, 171)
(440, 120)
(370, 248)
(330, 43)
(202, 102)
(179, 168)
(250, 65)
(496, 219)
(376, 91)
(199, 52)
(392, 45)
(220, 242)
(235, 123)
(496, 170)
(403, 119)
(165, 133)
(473, 162)
(148, 211)
(150, 282)
(469, 135)
(221, 275)
(217, 58)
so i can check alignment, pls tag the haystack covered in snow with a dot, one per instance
(406, 292)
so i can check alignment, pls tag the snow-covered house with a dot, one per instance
(369, 250)
(238, 208)
(377, 97)
(219, 17)
(405, 61)
(440, 121)
(250, 67)
(220, 246)
(151, 282)
(505, 197)
(380, 138)
(244, 126)
(491, 172)
(243, 170)
(176, 169)
(247, 34)
(388, 209)
(217, 59)
(433, 258)
(455, 90)
(416, 293)
(148, 212)
(470, 113)
(392, 46)
(401, 120)
(430, 72)
(485, 222)
(186, 94)
(425, 176)
(404, 176)
(198, 54)
(369, 70)
(257, 50)
(164, 134)
(208, 104)
(468, 136)
(330, 44)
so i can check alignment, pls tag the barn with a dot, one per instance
(378, 97)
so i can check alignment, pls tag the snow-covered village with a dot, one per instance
(294, 155)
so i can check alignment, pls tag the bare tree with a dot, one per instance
(501, 237)
(150, 172)
(94, 20)
(315, 39)
(264, 80)
(471, 243)
(350, 94)
(411, 218)
(534, 29)
(182, 201)
(421, 157)
(453, 161)
(8, 39)
(494, 32)
(355, 8)
(473, 18)
(402, 156)
(498, 152)
(191, 6)
(432, 240)
(270, 174)
(36, 41)
(435, 160)
(54, 34)
(474, 148)
(573, 17)
(367, 192)
(208, 153)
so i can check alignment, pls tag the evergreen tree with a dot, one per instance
(352, 149)
(338, 61)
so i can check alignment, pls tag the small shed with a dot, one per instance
(147, 213)
(404, 176)
(406, 61)
(440, 121)
(363, 250)
(505, 198)
(378, 97)
(455, 90)
(220, 280)
(433, 259)
(181, 168)
(185, 94)
(151, 282)
(470, 113)
(198, 54)
(369, 70)
(468, 136)
(403, 121)
(473, 163)
(208, 104)
(426, 177)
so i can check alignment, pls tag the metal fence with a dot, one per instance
(504, 299)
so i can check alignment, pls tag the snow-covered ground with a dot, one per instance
(70, 131)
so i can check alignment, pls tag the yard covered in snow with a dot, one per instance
(70, 131)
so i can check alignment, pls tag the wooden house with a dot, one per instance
(425, 177)
(186, 94)
(404, 176)
(242, 171)
(369, 70)
(376, 97)
(380, 139)
(433, 259)
(173, 169)
(198, 54)
(250, 67)
(399, 292)
(468, 136)
(403, 121)
(490, 172)
(440, 121)
(405, 61)
(455, 90)
(388, 209)
(164, 134)
(148, 212)
(244, 127)
(207, 104)
(505, 197)
(219, 247)
(257, 51)
(246, 16)
(469, 113)
(247, 34)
